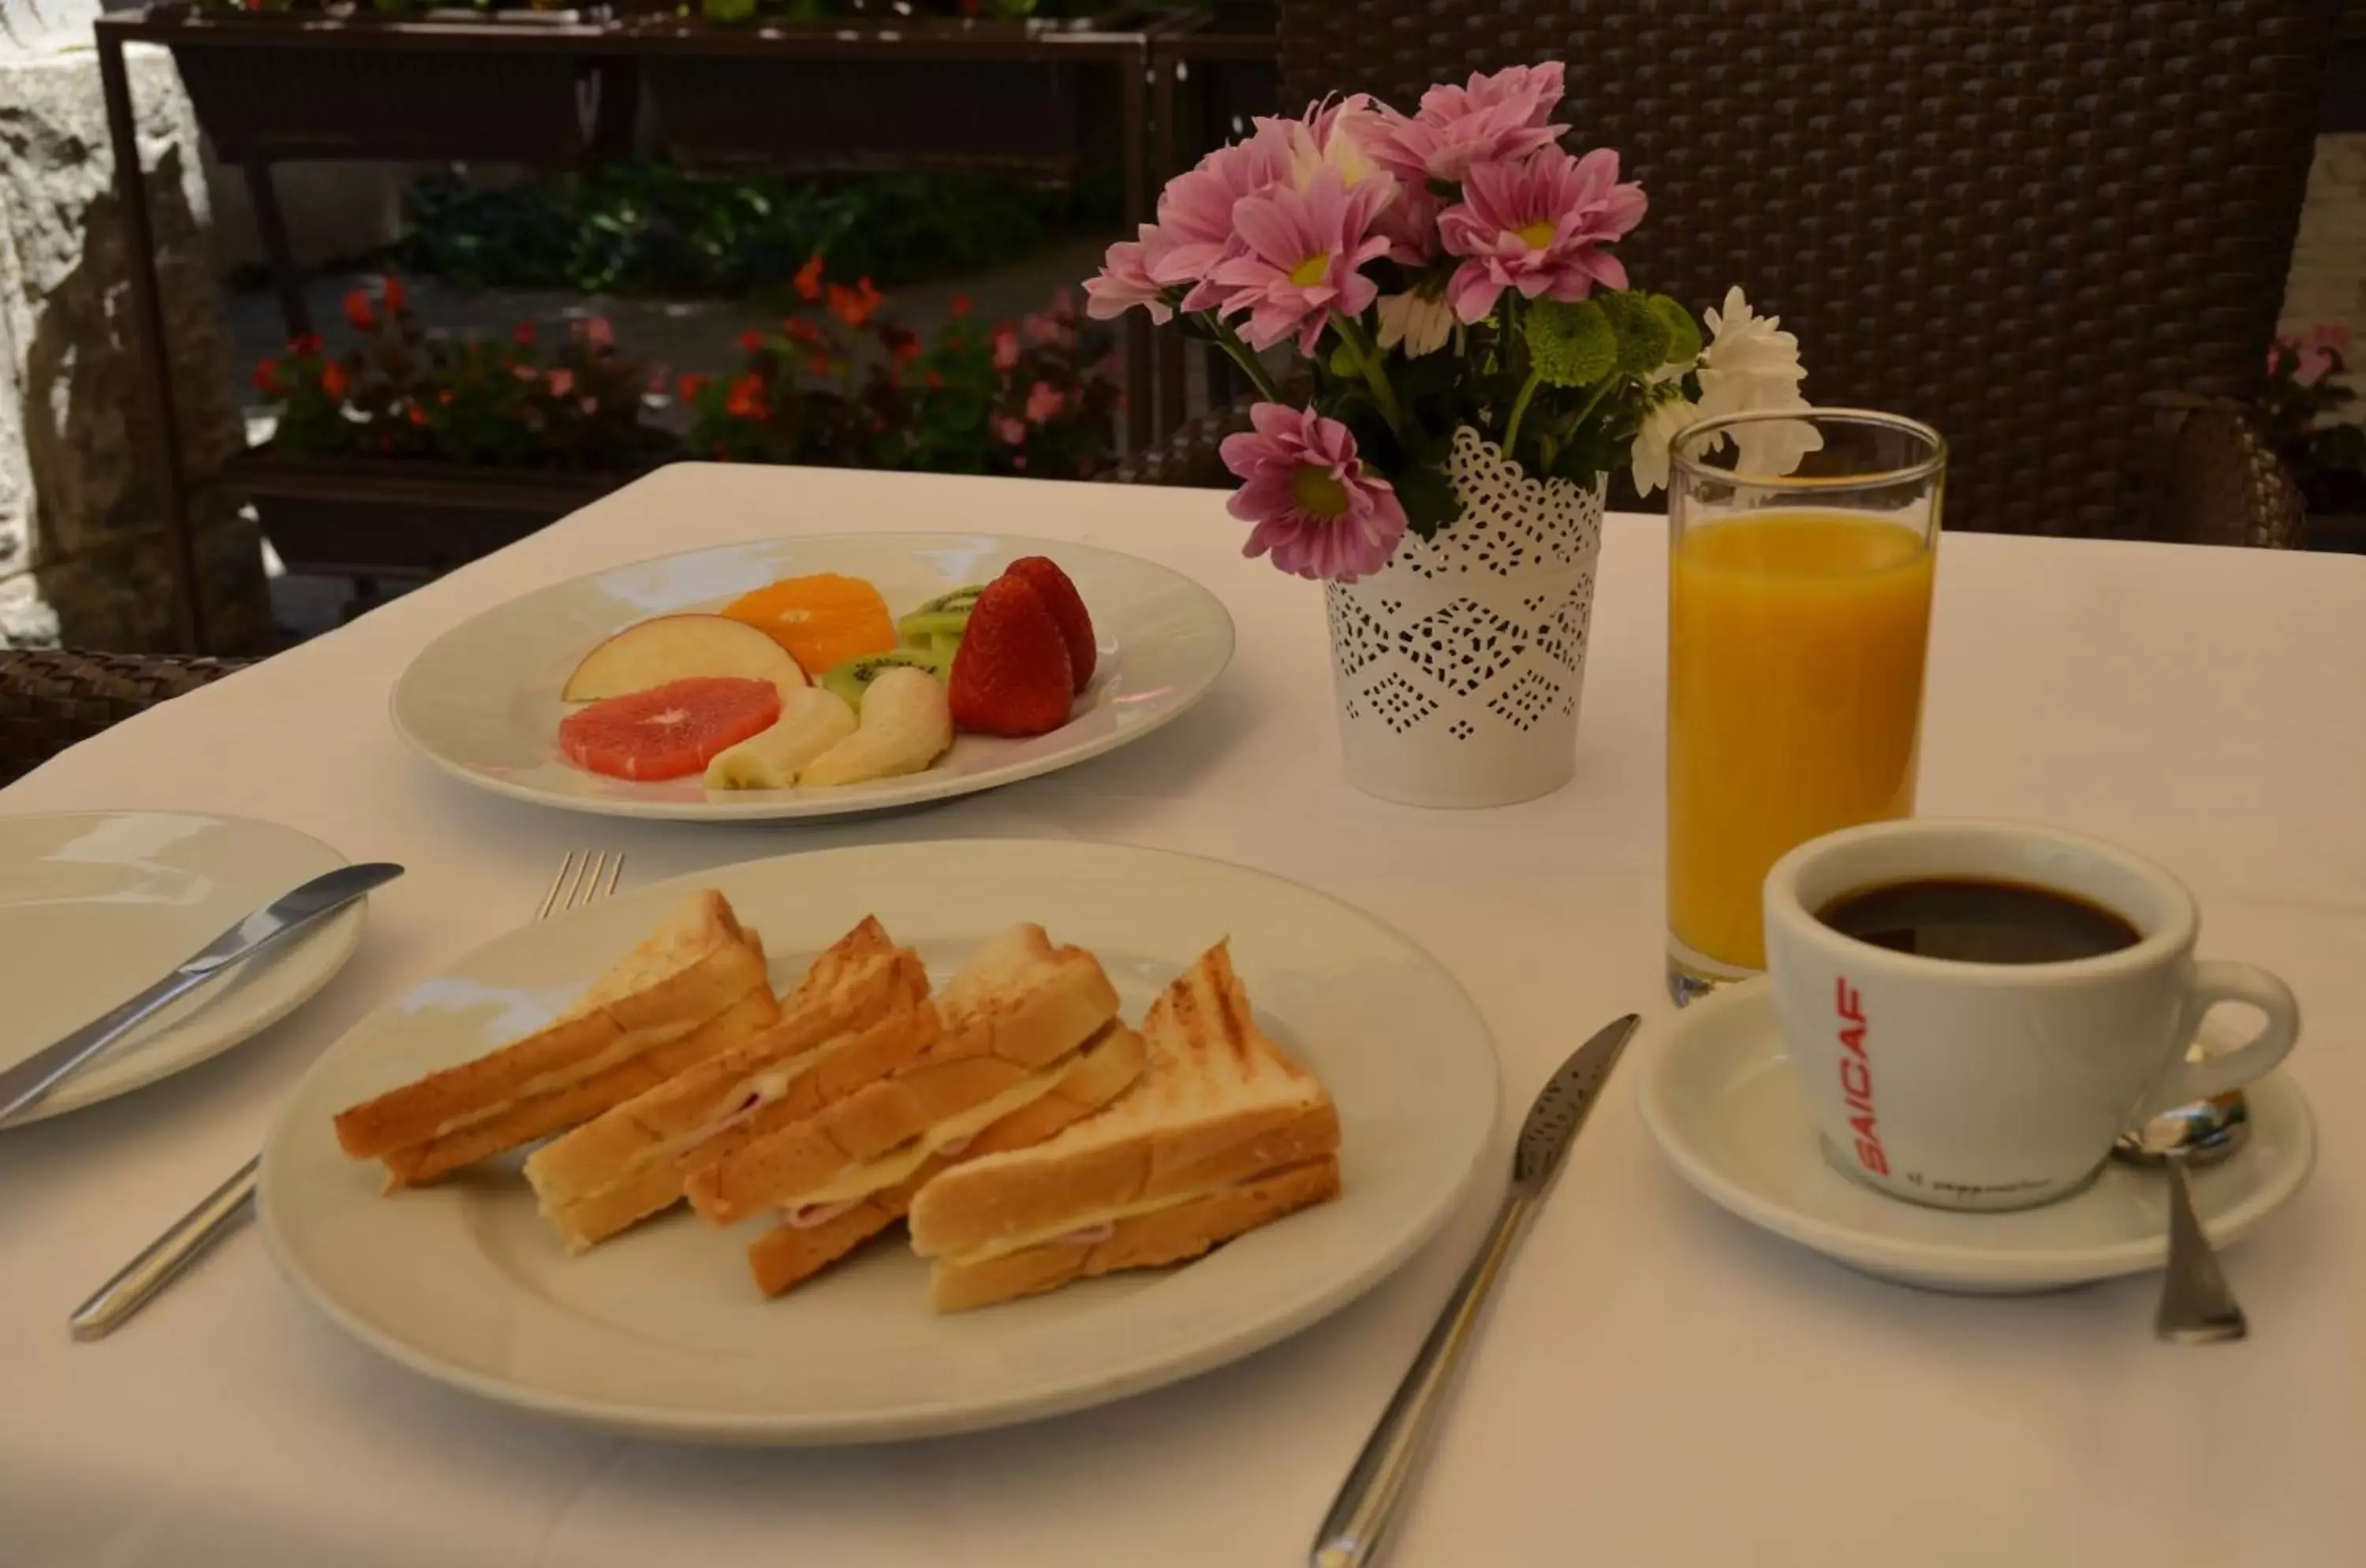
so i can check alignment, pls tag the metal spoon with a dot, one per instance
(2196, 1305)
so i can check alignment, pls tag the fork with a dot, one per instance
(584, 876)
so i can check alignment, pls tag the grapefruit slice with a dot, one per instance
(668, 732)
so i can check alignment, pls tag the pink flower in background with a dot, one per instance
(1124, 280)
(1316, 512)
(1491, 119)
(1046, 327)
(598, 333)
(1005, 346)
(1538, 226)
(1010, 432)
(1043, 403)
(1301, 252)
(560, 382)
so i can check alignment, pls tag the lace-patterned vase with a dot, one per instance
(1460, 664)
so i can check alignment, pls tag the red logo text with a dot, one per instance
(1856, 1077)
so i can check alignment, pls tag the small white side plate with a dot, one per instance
(1718, 1093)
(660, 1332)
(481, 702)
(96, 907)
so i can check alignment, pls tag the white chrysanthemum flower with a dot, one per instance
(1750, 364)
(1419, 321)
(1648, 454)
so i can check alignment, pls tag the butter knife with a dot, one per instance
(1374, 1492)
(33, 1078)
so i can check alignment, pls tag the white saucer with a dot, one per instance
(1718, 1094)
(96, 906)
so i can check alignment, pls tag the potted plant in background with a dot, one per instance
(413, 452)
(2301, 414)
(1469, 365)
(840, 385)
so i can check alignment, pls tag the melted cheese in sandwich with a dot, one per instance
(896, 1166)
(620, 1051)
(1080, 1223)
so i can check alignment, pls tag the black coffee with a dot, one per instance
(1978, 921)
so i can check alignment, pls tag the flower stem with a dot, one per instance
(1367, 357)
(1519, 410)
(1230, 342)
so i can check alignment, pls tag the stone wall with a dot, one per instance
(83, 556)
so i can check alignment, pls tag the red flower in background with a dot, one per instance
(820, 364)
(961, 305)
(392, 294)
(267, 377)
(309, 344)
(599, 333)
(801, 332)
(358, 311)
(747, 399)
(332, 379)
(751, 341)
(418, 414)
(561, 382)
(691, 386)
(524, 333)
(809, 278)
(854, 306)
(931, 381)
(906, 348)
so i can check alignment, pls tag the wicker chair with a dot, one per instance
(49, 699)
(2014, 218)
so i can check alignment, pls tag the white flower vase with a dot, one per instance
(1460, 664)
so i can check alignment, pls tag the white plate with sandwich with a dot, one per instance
(500, 700)
(96, 907)
(883, 1142)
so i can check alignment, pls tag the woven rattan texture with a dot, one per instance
(50, 698)
(2010, 220)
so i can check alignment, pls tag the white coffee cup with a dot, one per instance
(1997, 1085)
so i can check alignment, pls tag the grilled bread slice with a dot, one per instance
(1221, 1134)
(813, 1237)
(693, 987)
(862, 1012)
(1011, 1019)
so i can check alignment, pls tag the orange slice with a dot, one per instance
(824, 620)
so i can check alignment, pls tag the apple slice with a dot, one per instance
(675, 648)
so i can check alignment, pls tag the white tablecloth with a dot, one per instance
(1658, 1384)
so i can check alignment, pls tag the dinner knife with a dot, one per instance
(1374, 1492)
(32, 1079)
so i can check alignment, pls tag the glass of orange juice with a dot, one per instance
(1802, 547)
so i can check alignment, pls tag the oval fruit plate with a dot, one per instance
(489, 701)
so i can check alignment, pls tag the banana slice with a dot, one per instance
(906, 725)
(812, 721)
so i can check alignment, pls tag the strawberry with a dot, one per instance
(1067, 607)
(1011, 675)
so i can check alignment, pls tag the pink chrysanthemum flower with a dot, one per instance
(1538, 226)
(1301, 252)
(1124, 280)
(1316, 511)
(1491, 119)
(1195, 214)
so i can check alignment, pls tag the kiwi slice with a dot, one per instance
(851, 678)
(943, 615)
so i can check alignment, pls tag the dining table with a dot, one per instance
(1657, 1384)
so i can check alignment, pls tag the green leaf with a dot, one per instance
(1342, 363)
(1571, 345)
(1428, 496)
(1684, 334)
(1644, 334)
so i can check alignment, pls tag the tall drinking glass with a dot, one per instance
(1801, 554)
